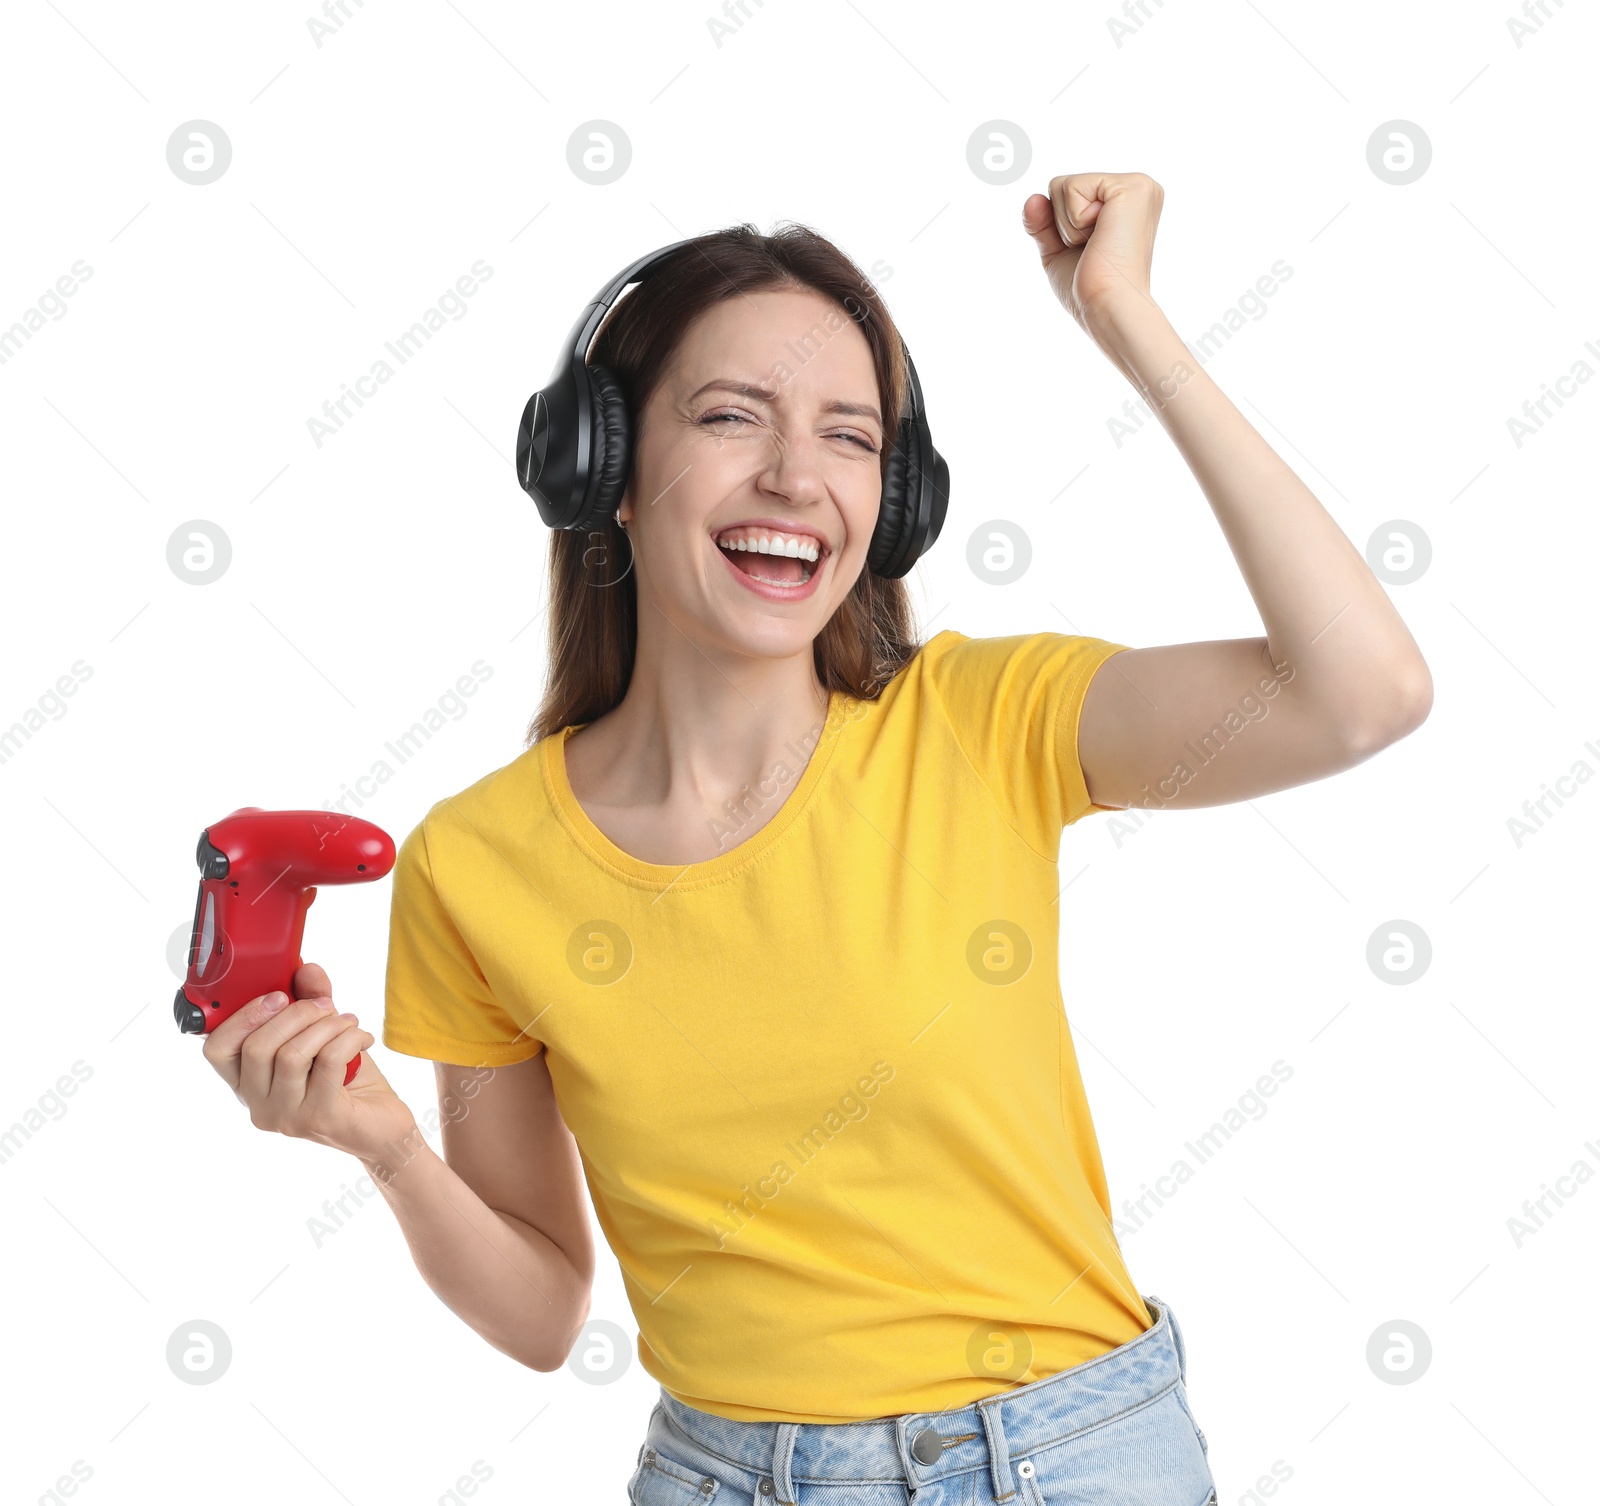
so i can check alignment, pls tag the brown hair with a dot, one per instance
(593, 620)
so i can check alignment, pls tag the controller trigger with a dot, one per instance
(190, 1017)
(212, 860)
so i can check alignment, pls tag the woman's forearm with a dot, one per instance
(500, 1276)
(1322, 607)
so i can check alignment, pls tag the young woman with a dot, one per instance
(757, 940)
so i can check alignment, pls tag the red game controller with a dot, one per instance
(258, 872)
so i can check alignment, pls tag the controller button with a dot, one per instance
(213, 861)
(190, 1017)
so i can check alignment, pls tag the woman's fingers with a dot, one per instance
(326, 1082)
(260, 1048)
(222, 1046)
(1075, 200)
(291, 1063)
(1039, 220)
(311, 981)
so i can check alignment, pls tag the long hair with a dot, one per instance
(593, 623)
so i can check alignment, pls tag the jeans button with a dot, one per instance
(927, 1446)
(766, 1487)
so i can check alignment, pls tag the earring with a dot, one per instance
(616, 518)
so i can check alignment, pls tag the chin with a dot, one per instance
(759, 637)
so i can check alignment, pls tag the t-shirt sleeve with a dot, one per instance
(437, 1002)
(1014, 705)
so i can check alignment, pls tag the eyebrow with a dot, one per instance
(762, 394)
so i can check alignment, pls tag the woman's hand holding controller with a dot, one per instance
(285, 1061)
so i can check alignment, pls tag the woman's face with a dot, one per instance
(763, 438)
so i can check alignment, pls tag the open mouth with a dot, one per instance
(784, 560)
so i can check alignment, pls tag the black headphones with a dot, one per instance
(575, 439)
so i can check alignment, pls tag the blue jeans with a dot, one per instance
(1113, 1431)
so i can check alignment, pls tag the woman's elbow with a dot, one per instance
(560, 1339)
(1402, 711)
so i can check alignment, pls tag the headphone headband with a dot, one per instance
(574, 443)
(576, 350)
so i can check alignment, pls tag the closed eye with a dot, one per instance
(724, 416)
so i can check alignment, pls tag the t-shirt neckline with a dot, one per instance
(603, 851)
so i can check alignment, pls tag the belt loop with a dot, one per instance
(782, 1453)
(999, 1454)
(1177, 1338)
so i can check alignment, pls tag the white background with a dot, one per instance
(367, 175)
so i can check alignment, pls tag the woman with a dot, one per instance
(757, 939)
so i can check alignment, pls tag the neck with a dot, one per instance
(700, 724)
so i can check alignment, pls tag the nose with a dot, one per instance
(793, 468)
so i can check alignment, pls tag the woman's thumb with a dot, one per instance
(1039, 220)
(311, 982)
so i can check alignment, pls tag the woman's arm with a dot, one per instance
(499, 1228)
(1337, 676)
(501, 1233)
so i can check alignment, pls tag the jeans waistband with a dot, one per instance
(902, 1448)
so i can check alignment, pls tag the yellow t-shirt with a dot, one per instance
(826, 1097)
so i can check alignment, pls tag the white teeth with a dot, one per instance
(796, 547)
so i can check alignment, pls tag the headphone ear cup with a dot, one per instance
(613, 444)
(900, 480)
